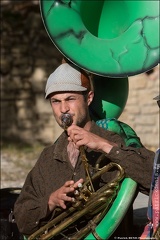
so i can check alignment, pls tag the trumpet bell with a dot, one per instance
(107, 37)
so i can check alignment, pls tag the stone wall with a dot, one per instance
(28, 57)
(141, 111)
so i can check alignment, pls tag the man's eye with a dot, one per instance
(71, 99)
(54, 101)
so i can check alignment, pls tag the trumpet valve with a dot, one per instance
(80, 185)
(76, 193)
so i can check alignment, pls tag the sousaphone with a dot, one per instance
(111, 40)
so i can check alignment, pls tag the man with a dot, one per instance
(59, 170)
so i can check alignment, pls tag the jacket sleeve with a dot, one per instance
(136, 160)
(31, 206)
(137, 163)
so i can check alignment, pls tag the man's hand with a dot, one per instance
(82, 137)
(61, 195)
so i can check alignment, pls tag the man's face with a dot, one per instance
(74, 103)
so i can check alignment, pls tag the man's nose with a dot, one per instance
(64, 107)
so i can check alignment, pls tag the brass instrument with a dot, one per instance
(88, 202)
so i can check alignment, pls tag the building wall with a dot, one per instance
(141, 111)
(28, 57)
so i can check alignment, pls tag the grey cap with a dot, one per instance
(67, 77)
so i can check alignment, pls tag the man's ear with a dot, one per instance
(90, 97)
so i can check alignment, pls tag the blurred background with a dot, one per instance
(28, 56)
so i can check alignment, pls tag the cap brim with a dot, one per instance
(64, 88)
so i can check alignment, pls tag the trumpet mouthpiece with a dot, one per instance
(67, 120)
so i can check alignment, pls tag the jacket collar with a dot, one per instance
(60, 150)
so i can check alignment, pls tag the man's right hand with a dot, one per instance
(63, 194)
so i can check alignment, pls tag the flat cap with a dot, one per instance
(67, 77)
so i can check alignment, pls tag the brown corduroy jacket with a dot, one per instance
(53, 169)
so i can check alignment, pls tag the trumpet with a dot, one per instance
(88, 202)
(67, 120)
